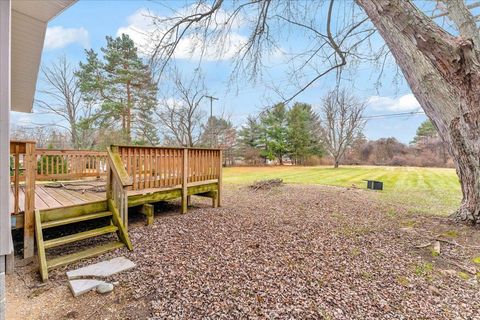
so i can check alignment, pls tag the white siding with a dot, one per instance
(5, 31)
(27, 43)
(29, 24)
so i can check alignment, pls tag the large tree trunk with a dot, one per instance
(443, 72)
(336, 164)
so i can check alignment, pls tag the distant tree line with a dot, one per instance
(426, 149)
(113, 97)
(280, 132)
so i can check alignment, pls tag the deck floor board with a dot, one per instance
(47, 197)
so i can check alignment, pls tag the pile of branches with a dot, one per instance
(266, 184)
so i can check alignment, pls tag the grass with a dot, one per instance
(421, 190)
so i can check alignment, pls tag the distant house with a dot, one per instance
(23, 24)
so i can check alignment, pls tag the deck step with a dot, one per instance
(88, 253)
(85, 217)
(79, 236)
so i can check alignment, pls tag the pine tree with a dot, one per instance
(249, 138)
(122, 85)
(424, 131)
(274, 126)
(303, 135)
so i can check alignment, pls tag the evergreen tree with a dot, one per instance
(303, 135)
(424, 131)
(249, 138)
(123, 88)
(275, 132)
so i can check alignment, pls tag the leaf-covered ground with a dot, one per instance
(293, 252)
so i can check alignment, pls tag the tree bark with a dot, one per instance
(443, 73)
(336, 164)
(128, 129)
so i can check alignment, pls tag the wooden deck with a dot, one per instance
(48, 196)
(136, 176)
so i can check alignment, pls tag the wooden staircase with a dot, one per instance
(71, 215)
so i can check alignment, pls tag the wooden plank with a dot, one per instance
(59, 196)
(85, 254)
(156, 195)
(46, 197)
(39, 203)
(220, 177)
(29, 216)
(148, 168)
(82, 197)
(86, 217)
(137, 200)
(185, 181)
(40, 247)
(116, 166)
(16, 185)
(72, 197)
(135, 169)
(129, 161)
(117, 221)
(79, 236)
(73, 211)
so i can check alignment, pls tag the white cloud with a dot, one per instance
(141, 25)
(403, 103)
(60, 37)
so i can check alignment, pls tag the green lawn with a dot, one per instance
(426, 190)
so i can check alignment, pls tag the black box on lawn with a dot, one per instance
(374, 185)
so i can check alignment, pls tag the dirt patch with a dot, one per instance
(292, 252)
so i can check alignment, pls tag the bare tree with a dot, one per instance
(442, 68)
(179, 111)
(60, 96)
(341, 122)
(44, 136)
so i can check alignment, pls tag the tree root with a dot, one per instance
(463, 215)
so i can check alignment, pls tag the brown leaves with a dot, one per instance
(304, 252)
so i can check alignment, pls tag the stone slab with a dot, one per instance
(81, 286)
(102, 269)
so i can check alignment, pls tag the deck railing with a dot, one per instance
(140, 168)
(22, 167)
(162, 167)
(70, 164)
(65, 165)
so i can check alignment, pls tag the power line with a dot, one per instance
(393, 115)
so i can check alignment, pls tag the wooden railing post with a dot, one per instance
(29, 217)
(185, 181)
(220, 167)
(118, 183)
(16, 181)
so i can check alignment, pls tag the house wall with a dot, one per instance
(5, 76)
(5, 22)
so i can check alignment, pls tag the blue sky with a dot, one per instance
(87, 22)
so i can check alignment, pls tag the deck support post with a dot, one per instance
(148, 211)
(215, 199)
(29, 217)
(185, 181)
(189, 201)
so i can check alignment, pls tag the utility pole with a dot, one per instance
(211, 117)
(211, 104)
